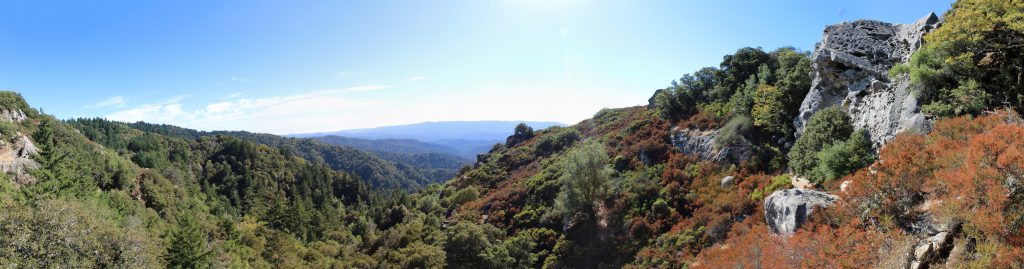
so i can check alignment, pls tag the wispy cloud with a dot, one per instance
(116, 101)
(415, 78)
(234, 95)
(240, 79)
(276, 114)
(348, 74)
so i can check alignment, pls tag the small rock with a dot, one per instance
(727, 181)
(844, 185)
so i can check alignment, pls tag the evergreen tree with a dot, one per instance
(187, 247)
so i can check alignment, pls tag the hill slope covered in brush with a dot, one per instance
(771, 159)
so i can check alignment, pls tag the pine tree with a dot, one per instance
(187, 247)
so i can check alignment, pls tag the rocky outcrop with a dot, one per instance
(786, 210)
(650, 101)
(15, 158)
(701, 143)
(934, 247)
(851, 66)
(12, 115)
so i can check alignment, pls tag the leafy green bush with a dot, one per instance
(73, 234)
(824, 128)
(769, 111)
(734, 132)
(842, 158)
(549, 144)
(586, 181)
(973, 61)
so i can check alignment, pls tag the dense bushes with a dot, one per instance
(843, 157)
(973, 62)
(734, 132)
(563, 138)
(73, 234)
(965, 171)
(774, 83)
(829, 148)
(754, 94)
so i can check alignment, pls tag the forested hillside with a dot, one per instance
(437, 161)
(380, 173)
(737, 165)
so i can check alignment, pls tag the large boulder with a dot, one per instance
(701, 143)
(851, 69)
(786, 210)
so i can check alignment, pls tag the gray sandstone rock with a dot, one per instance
(12, 115)
(701, 143)
(15, 159)
(728, 181)
(851, 66)
(786, 210)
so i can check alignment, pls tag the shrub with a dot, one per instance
(825, 128)
(585, 182)
(843, 158)
(549, 144)
(734, 132)
(973, 61)
(769, 111)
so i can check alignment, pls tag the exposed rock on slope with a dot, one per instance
(15, 158)
(16, 149)
(701, 143)
(12, 115)
(851, 66)
(935, 247)
(786, 210)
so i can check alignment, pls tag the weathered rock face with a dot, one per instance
(851, 66)
(701, 143)
(15, 158)
(12, 115)
(650, 101)
(935, 245)
(786, 210)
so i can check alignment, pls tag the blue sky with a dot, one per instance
(304, 66)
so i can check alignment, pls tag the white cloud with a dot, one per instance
(240, 79)
(274, 114)
(360, 107)
(116, 101)
(414, 78)
(234, 95)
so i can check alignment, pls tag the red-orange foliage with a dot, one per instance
(966, 169)
(816, 246)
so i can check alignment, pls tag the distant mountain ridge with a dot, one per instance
(408, 146)
(467, 137)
